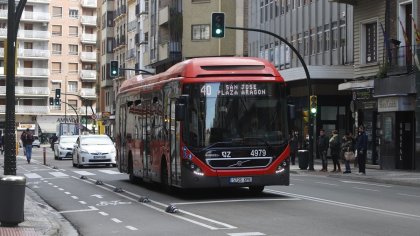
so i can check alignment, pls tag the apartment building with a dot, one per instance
(56, 49)
(322, 33)
(385, 93)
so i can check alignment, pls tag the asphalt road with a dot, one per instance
(312, 205)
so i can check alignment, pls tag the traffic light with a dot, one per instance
(57, 93)
(305, 116)
(57, 102)
(217, 24)
(51, 101)
(313, 100)
(114, 69)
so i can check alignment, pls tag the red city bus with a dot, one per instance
(205, 123)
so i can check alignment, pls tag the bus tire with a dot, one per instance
(256, 189)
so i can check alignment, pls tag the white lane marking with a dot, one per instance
(408, 195)
(91, 208)
(55, 186)
(96, 195)
(58, 174)
(246, 234)
(61, 189)
(82, 172)
(116, 220)
(33, 176)
(227, 226)
(348, 205)
(50, 183)
(111, 172)
(297, 179)
(367, 189)
(238, 200)
(131, 227)
(67, 193)
(74, 197)
(326, 183)
(365, 183)
(103, 213)
(82, 202)
(45, 181)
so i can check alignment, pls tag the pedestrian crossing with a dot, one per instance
(60, 174)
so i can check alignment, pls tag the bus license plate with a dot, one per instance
(240, 180)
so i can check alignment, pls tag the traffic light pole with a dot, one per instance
(86, 104)
(308, 80)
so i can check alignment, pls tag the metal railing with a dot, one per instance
(400, 60)
(25, 109)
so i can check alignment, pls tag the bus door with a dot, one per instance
(174, 131)
(146, 139)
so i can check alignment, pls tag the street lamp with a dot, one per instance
(87, 103)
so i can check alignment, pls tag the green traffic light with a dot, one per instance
(218, 31)
(313, 110)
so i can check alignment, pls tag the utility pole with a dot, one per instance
(308, 80)
(13, 19)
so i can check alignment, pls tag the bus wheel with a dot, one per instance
(164, 175)
(256, 189)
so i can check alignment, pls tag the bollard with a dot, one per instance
(44, 153)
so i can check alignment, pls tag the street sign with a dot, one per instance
(94, 117)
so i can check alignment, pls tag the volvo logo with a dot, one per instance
(239, 163)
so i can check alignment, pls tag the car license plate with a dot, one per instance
(240, 180)
(98, 157)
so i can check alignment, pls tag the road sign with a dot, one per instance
(94, 117)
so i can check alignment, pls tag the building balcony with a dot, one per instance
(164, 15)
(83, 110)
(33, 53)
(88, 93)
(89, 20)
(132, 25)
(88, 75)
(32, 72)
(131, 54)
(89, 3)
(35, 16)
(39, 1)
(88, 38)
(401, 60)
(33, 34)
(106, 83)
(28, 91)
(88, 56)
(21, 109)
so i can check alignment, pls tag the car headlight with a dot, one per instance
(84, 151)
(112, 150)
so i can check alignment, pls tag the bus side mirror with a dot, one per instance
(181, 108)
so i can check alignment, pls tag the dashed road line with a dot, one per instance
(246, 234)
(82, 202)
(82, 172)
(367, 189)
(408, 195)
(68, 193)
(325, 183)
(58, 174)
(111, 172)
(116, 220)
(365, 183)
(236, 200)
(131, 228)
(103, 213)
(75, 197)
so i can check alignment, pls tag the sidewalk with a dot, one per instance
(373, 174)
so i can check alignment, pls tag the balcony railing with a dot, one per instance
(35, 16)
(33, 34)
(89, 38)
(401, 59)
(88, 92)
(131, 54)
(88, 20)
(39, 1)
(89, 3)
(89, 75)
(38, 53)
(23, 109)
(30, 91)
(88, 56)
(36, 72)
(82, 110)
(121, 10)
(132, 25)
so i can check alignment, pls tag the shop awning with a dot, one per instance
(356, 85)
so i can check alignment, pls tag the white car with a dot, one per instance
(63, 148)
(36, 142)
(94, 150)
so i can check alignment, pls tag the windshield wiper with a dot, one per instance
(255, 138)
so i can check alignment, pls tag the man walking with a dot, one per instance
(361, 147)
(27, 140)
(322, 146)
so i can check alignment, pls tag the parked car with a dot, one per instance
(36, 142)
(63, 147)
(94, 150)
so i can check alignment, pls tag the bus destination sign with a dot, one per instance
(234, 89)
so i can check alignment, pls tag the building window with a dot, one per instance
(56, 49)
(200, 32)
(55, 86)
(109, 45)
(327, 40)
(73, 49)
(73, 31)
(73, 13)
(56, 30)
(72, 86)
(72, 103)
(57, 12)
(56, 67)
(370, 42)
(73, 68)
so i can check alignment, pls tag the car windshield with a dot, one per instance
(235, 114)
(68, 139)
(96, 140)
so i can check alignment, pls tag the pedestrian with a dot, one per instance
(53, 139)
(347, 145)
(335, 150)
(27, 139)
(2, 144)
(293, 142)
(361, 149)
(322, 146)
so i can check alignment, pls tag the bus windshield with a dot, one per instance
(235, 114)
